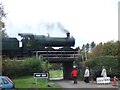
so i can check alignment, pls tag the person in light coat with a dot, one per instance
(86, 75)
(103, 73)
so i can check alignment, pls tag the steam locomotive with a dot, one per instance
(31, 43)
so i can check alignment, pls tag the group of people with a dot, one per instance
(74, 74)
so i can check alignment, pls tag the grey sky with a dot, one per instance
(86, 20)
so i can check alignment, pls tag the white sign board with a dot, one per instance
(40, 75)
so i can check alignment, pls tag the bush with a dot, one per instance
(95, 65)
(11, 67)
(25, 67)
(110, 63)
(31, 65)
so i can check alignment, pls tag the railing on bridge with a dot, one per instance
(57, 54)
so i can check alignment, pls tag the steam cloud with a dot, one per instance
(52, 26)
(62, 28)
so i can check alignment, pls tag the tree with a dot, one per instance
(2, 24)
(83, 53)
(92, 45)
(87, 47)
(83, 48)
(110, 48)
(96, 52)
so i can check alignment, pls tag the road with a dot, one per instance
(68, 85)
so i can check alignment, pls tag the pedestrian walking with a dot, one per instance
(86, 75)
(74, 74)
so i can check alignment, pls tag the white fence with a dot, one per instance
(103, 80)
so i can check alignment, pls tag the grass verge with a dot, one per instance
(30, 82)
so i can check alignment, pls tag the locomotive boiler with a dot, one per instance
(38, 42)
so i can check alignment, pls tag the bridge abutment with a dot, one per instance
(67, 68)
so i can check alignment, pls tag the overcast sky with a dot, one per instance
(86, 20)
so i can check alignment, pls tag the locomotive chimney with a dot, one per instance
(68, 35)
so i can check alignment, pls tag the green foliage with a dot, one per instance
(107, 49)
(83, 48)
(80, 68)
(106, 54)
(110, 48)
(25, 67)
(3, 33)
(92, 45)
(31, 65)
(56, 66)
(95, 64)
(11, 67)
(96, 52)
(2, 13)
(87, 47)
(56, 73)
(2, 24)
(110, 63)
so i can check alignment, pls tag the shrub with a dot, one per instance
(110, 63)
(25, 67)
(11, 67)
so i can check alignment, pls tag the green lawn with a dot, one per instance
(30, 82)
(56, 73)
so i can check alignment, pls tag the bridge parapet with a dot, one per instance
(57, 55)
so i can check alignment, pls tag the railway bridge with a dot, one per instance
(67, 58)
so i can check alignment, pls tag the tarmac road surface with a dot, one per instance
(81, 85)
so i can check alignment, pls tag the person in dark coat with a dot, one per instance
(74, 74)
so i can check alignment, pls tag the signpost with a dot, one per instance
(40, 75)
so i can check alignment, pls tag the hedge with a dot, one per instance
(25, 67)
(110, 63)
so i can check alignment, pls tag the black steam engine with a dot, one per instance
(31, 43)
